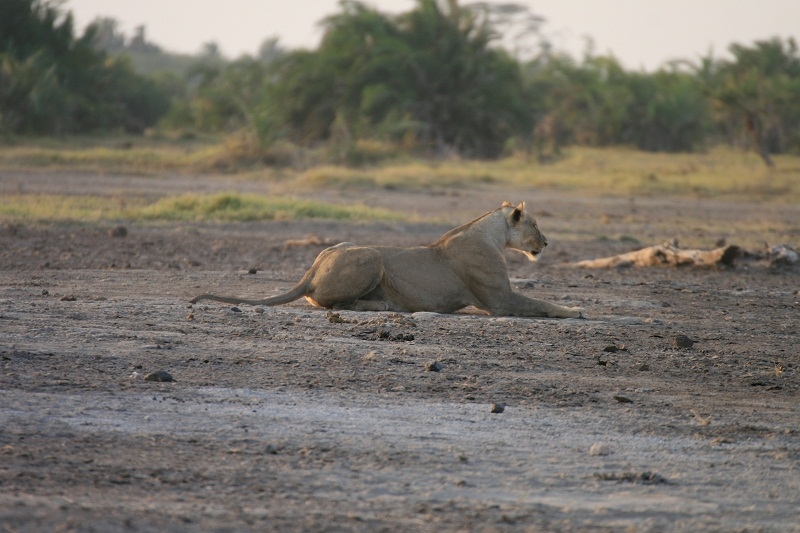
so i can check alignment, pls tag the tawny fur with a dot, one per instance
(464, 267)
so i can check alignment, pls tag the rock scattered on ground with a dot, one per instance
(682, 341)
(599, 449)
(159, 375)
(497, 408)
(433, 366)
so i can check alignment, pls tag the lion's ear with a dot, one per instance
(517, 214)
(506, 204)
(521, 206)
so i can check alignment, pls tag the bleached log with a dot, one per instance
(782, 255)
(666, 254)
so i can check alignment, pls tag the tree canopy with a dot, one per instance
(54, 82)
(437, 79)
(761, 89)
(429, 74)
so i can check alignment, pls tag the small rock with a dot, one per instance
(644, 367)
(599, 449)
(119, 231)
(236, 309)
(252, 271)
(259, 310)
(497, 408)
(68, 298)
(433, 366)
(190, 316)
(614, 348)
(645, 478)
(335, 318)
(622, 399)
(682, 341)
(159, 375)
(135, 375)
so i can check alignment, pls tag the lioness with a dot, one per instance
(464, 267)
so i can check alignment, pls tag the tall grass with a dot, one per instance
(720, 172)
(121, 155)
(585, 171)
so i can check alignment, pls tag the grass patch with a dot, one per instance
(60, 208)
(248, 207)
(229, 207)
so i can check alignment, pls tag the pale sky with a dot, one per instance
(639, 33)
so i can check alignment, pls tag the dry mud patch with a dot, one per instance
(287, 419)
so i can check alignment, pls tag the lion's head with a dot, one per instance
(523, 232)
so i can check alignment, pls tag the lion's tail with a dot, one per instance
(299, 290)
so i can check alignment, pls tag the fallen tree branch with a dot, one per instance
(782, 255)
(667, 254)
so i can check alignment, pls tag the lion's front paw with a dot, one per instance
(579, 312)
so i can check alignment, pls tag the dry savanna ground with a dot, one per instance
(674, 406)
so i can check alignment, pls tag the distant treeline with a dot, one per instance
(476, 80)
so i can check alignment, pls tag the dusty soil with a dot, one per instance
(286, 419)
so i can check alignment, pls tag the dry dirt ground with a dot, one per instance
(286, 419)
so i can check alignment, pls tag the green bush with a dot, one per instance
(55, 83)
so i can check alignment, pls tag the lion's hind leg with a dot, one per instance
(342, 276)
